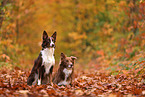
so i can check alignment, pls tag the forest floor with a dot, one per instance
(87, 83)
(124, 78)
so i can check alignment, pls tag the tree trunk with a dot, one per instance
(134, 11)
(3, 3)
(17, 21)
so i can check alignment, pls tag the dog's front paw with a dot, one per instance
(39, 82)
(51, 83)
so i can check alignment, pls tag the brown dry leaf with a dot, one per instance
(143, 92)
(79, 92)
(130, 95)
(44, 92)
(111, 95)
(24, 92)
(51, 91)
(128, 87)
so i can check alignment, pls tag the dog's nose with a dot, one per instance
(71, 65)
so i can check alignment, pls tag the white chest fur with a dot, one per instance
(67, 74)
(48, 58)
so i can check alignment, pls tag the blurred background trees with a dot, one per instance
(88, 29)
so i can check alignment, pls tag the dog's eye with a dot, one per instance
(44, 43)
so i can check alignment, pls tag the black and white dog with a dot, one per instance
(41, 72)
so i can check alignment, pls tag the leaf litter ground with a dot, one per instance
(96, 83)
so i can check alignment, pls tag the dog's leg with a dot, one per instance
(41, 75)
(30, 79)
(39, 81)
(50, 79)
(33, 77)
(36, 79)
(50, 76)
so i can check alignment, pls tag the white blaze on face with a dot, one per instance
(51, 42)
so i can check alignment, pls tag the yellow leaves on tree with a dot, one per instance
(110, 1)
(77, 41)
(77, 36)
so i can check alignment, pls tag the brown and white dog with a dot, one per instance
(41, 72)
(64, 74)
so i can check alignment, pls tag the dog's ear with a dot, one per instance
(54, 36)
(73, 58)
(63, 56)
(45, 35)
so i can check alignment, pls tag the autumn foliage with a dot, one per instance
(107, 36)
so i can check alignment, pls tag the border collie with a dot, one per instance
(64, 74)
(41, 72)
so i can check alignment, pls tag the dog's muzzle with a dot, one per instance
(70, 65)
